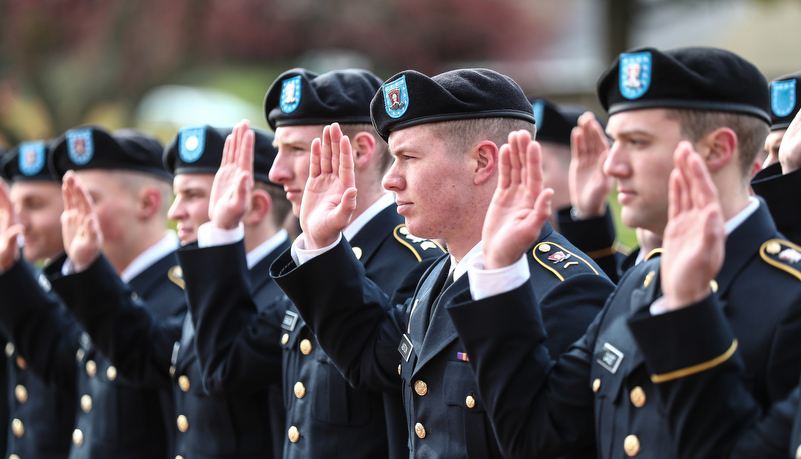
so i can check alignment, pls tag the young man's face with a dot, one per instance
(190, 208)
(641, 159)
(116, 207)
(38, 207)
(430, 182)
(291, 166)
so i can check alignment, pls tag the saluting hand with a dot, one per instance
(9, 231)
(790, 148)
(588, 184)
(329, 198)
(231, 188)
(79, 225)
(519, 206)
(695, 235)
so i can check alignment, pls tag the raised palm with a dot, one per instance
(589, 186)
(80, 228)
(230, 191)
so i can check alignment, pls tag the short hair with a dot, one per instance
(751, 131)
(381, 147)
(133, 181)
(280, 204)
(461, 135)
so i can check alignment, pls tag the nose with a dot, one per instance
(393, 180)
(280, 172)
(615, 164)
(177, 210)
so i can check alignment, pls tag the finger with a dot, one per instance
(227, 151)
(533, 170)
(325, 152)
(67, 191)
(246, 155)
(704, 190)
(504, 167)
(674, 195)
(596, 139)
(347, 205)
(680, 160)
(577, 147)
(514, 159)
(83, 200)
(314, 158)
(345, 163)
(5, 199)
(336, 138)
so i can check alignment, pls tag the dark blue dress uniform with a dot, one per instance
(780, 192)
(242, 349)
(117, 417)
(41, 412)
(387, 350)
(596, 237)
(603, 382)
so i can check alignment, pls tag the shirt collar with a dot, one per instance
(168, 244)
(264, 249)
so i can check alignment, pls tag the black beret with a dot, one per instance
(410, 98)
(299, 97)
(784, 100)
(91, 147)
(28, 162)
(554, 124)
(199, 150)
(699, 78)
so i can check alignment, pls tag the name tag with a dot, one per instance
(610, 358)
(405, 348)
(290, 320)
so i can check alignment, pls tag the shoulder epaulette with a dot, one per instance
(783, 255)
(411, 242)
(654, 253)
(176, 275)
(551, 255)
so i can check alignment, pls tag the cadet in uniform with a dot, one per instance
(242, 349)
(444, 133)
(41, 415)
(687, 98)
(144, 347)
(131, 192)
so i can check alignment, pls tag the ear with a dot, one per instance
(485, 157)
(260, 205)
(149, 202)
(719, 148)
(363, 145)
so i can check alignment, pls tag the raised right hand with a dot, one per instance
(589, 186)
(80, 228)
(9, 231)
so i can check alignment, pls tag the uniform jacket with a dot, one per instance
(596, 237)
(387, 349)
(603, 386)
(41, 412)
(241, 349)
(116, 416)
(780, 192)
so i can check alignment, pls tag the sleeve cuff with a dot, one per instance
(301, 255)
(485, 283)
(209, 235)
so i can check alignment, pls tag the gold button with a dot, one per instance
(293, 434)
(13, 456)
(183, 383)
(798, 452)
(179, 457)
(420, 387)
(773, 248)
(285, 338)
(399, 369)
(9, 349)
(183, 423)
(300, 390)
(172, 371)
(111, 373)
(596, 385)
(21, 393)
(91, 368)
(18, 428)
(631, 445)
(544, 248)
(420, 430)
(713, 284)
(638, 397)
(77, 437)
(358, 252)
(470, 401)
(21, 363)
(648, 278)
(305, 347)
(86, 403)
(79, 355)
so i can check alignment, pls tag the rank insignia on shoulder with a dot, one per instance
(412, 242)
(783, 255)
(176, 275)
(548, 254)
